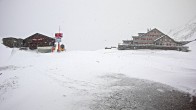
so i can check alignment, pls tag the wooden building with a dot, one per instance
(38, 40)
(153, 39)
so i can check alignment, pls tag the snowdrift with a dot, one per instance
(70, 80)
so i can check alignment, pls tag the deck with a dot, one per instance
(151, 46)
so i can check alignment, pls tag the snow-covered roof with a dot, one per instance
(143, 34)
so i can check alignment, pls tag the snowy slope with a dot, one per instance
(69, 80)
(185, 32)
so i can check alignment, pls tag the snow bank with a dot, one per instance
(170, 67)
(65, 79)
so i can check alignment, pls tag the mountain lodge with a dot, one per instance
(153, 39)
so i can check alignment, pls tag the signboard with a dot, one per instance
(58, 35)
(58, 40)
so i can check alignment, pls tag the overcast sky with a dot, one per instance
(92, 24)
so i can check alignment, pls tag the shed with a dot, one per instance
(12, 42)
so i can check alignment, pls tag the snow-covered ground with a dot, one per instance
(68, 80)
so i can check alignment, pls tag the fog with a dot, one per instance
(92, 24)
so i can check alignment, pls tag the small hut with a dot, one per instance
(13, 42)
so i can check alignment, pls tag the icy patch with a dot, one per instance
(124, 93)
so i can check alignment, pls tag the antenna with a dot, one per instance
(59, 29)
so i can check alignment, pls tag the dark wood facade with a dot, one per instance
(38, 40)
(13, 42)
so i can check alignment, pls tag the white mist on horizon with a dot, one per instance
(92, 24)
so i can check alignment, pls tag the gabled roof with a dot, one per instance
(151, 31)
(166, 36)
(182, 42)
(38, 35)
